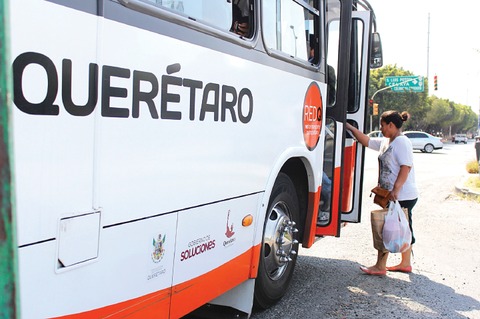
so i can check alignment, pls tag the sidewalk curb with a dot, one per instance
(466, 191)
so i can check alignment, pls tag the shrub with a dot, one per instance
(472, 167)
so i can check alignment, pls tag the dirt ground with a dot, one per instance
(445, 282)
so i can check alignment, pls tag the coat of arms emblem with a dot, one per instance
(158, 248)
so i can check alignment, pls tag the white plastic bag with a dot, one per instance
(397, 236)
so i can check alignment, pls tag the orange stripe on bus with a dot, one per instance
(348, 177)
(255, 260)
(311, 220)
(333, 229)
(194, 293)
(154, 305)
(183, 298)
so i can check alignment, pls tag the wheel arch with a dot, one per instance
(297, 169)
(282, 232)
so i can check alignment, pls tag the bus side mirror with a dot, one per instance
(376, 57)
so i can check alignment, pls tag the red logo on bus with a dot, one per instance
(312, 116)
(229, 233)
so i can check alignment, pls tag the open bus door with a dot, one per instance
(338, 31)
(348, 63)
(354, 153)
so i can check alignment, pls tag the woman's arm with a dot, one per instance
(401, 179)
(362, 138)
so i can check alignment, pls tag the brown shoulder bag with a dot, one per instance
(381, 196)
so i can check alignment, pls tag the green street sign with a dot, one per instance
(412, 83)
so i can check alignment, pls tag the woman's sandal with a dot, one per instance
(407, 269)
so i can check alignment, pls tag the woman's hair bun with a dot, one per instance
(405, 116)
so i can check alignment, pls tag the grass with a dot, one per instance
(473, 183)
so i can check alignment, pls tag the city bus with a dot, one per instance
(158, 156)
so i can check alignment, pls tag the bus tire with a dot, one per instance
(279, 245)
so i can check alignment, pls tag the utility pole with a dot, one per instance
(373, 101)
(428, 46)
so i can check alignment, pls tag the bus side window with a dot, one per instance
(292, 27)
(217, 13)
(331, 85)
(241, 18)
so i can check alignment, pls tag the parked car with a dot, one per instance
(423, 141)
(460, 138)
(375, 134)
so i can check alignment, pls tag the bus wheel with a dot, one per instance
(279, 247)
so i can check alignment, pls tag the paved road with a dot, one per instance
(445, 282)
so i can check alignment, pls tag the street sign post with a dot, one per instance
(412, 83)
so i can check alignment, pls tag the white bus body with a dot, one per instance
(158, 159)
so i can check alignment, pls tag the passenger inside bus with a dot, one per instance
(332, 85)
(311, 44)
(325, 200)
(326, 192)
(240, 18)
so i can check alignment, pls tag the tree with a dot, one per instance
(414, 103)
(429, 114)
(448, 117)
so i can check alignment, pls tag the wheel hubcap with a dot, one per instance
(279, 242)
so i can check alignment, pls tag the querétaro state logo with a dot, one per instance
(158, 248)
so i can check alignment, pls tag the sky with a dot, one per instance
(444, 33)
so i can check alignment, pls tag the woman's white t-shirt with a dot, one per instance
(391, 157)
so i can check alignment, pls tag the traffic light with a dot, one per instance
(370, 103)
(435, 83)
(375, 108)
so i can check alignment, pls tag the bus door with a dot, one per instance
(338, 26)
(347, 75)
(357, 110)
